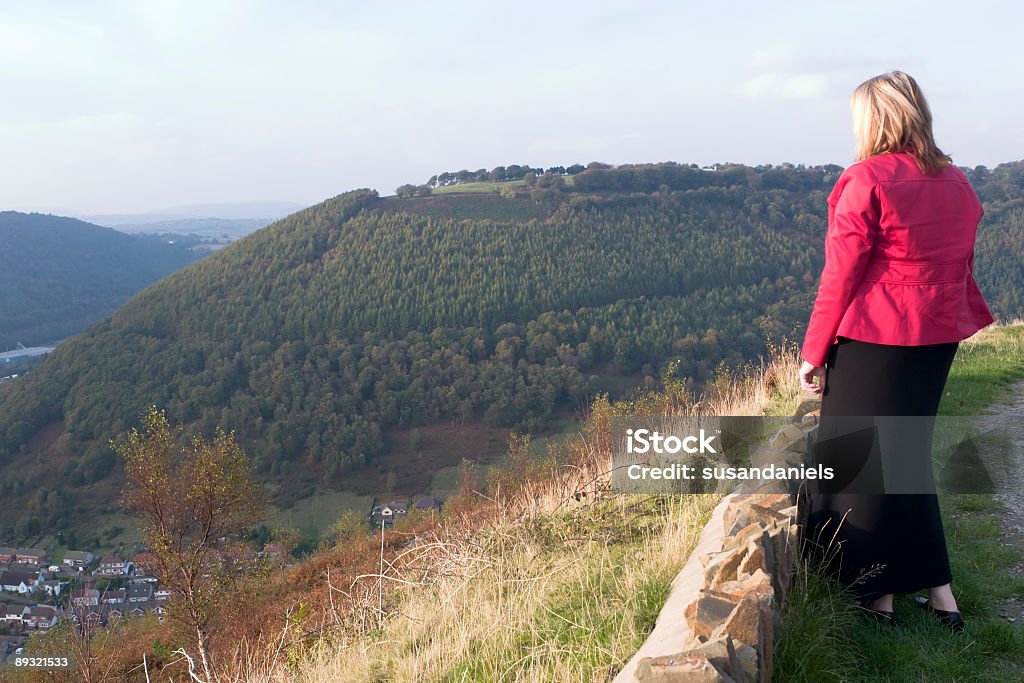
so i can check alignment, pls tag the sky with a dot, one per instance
(123, 107)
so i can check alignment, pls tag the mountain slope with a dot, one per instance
(319, 335)
(58, 275)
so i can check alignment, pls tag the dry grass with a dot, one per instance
(486, 611)
(547, 575)
(541, 574)
(770, 387)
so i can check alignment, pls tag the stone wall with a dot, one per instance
(734, 584)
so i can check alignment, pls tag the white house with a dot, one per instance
(11, 613)
(14, 581)
(112, 565)
(40, 616)
(85, 597)
(77, 558)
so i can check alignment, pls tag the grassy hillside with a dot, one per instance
(325, 338)
(535, 572)
(59, 275)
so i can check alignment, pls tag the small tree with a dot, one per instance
(193, 503)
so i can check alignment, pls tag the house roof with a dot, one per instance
(78, 555)
(30, 552)
(42, 611)
(12, 609)
(11, 577)
(111, 559)
(140, 590)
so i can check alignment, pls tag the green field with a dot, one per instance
(313, 516)
(484, 187)
(477, 188)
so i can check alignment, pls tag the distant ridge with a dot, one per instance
(58, 275)
(264, 210)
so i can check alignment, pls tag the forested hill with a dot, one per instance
(58, 275)
(316, 335)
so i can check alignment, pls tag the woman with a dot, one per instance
(897, 294)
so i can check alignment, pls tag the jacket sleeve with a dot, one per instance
(854, 214)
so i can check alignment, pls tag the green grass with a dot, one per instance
(477, 188)
(313, 516)
(592, 623)
(583, 624)
(984, 372)
(562, 595)
(484, 187)
(822, 637)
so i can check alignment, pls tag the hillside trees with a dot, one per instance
(58, 275)
(314, 337)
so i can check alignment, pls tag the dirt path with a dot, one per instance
(1009, 489)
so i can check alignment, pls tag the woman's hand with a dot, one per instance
(807, 374)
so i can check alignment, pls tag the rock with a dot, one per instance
(744, 623)
(735, 667)
(782, 543)
(753, 560)
(758, 582)
(753, 621)
(711, 609)
(747, 657)
(777, 502)
(736, 503)
(721, 566)
(690, 613)
(680, 669)
(789, 438)
(756, 513)
(724, 654)
(753, 531)
(721, 652)
(741, 502)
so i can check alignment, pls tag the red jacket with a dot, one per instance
(899, 258)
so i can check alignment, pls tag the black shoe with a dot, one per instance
(881, 616)
(952, 620)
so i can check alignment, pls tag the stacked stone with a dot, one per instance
(745, 582)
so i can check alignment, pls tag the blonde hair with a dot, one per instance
(890, 114)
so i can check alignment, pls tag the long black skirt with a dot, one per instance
(879, 543)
